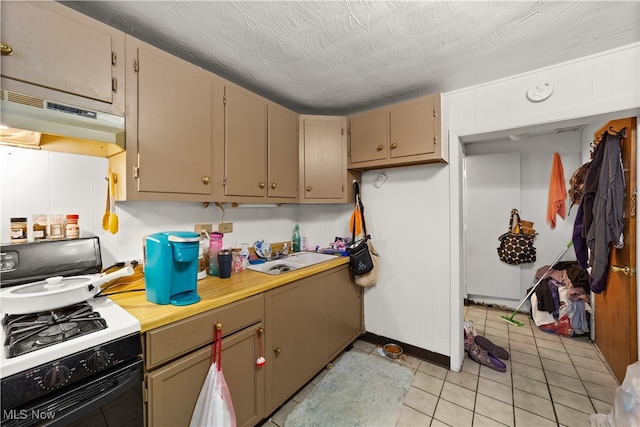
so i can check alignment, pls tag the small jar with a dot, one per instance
(18, 230)
(56, 226)
(72, 230)
(39, 227)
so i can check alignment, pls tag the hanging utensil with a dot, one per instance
(355, 223)
(105, 217)
(113, 218)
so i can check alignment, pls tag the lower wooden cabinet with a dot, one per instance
(301, 327)
(173, 390)
(178, 357)
(309, 322)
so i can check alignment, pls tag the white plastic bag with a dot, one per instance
(625, 410)
(214, 407)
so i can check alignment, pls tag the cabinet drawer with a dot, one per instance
(168, 342)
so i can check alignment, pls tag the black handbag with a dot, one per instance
(515, 246)
(361, 260)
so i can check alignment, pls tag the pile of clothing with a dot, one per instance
(561, 301)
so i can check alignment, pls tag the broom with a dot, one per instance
(509, 319)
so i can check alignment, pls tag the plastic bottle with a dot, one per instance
(244, 255)
(296, 238)
(215, 246)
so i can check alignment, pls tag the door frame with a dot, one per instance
(457, 138)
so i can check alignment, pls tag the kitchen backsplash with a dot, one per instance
(37, 181)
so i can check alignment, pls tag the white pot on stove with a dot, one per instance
(55, 292)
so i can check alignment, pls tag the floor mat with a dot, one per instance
(360, 390)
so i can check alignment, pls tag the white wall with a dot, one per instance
(34, 181)
(408, 219)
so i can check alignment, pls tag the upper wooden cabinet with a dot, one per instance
(283, 153)
(169, 127)
(401, 134)
(323, 160)
(260, 148)
(51, 51)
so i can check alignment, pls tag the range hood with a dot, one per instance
(37, 123)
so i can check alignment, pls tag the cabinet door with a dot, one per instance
(345, 310)
(296, 317)
(174, 389)
(56, 51)
(283, 153)
(323, 157)
(245, 143)
(174, 132)
(369, 136)
(412, 129)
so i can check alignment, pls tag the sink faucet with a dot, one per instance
(283, 253)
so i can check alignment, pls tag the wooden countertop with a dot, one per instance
(213, 291)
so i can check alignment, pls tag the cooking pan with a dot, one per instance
(55, 292)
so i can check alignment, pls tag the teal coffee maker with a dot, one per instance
(171, 267)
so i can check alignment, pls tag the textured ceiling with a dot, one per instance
(340, 57)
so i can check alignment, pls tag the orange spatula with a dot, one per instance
(356, 221)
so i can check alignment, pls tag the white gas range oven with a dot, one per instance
(70, 365)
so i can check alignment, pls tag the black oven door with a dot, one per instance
(112, 398)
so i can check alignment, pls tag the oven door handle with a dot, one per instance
(131, 377)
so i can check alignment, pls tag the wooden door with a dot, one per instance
(175, 113)
(174, 388)
(245, 143)
(413, 128)
(283, 153)
(323, 158)
(345, 310)
(616, 307)
(48, 50)
(368, 137)
(296, 316)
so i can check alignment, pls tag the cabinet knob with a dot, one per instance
(5, 48)
(218, 326)
(206, 180)
(273, 185)
(309, 188)
(277, 350)
(262, 185)
(380, 147)
(394, 146)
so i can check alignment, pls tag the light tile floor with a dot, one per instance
(550, 381)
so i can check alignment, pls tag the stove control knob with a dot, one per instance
(98, 360)
(56, 377)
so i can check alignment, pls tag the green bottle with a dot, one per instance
(296, 239)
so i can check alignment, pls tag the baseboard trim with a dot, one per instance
(420, 353)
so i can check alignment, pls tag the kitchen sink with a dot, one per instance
(291, 262)
(309, 258)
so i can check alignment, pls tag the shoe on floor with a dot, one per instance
(496, 350)
(483, 357)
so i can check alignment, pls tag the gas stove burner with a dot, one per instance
(59, 332)
(29, 332)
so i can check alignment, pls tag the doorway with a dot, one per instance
(460, 152)
(511, 174)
